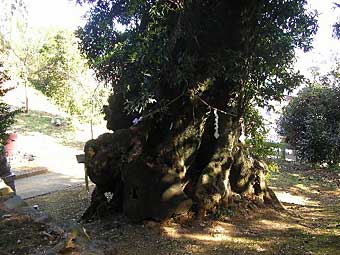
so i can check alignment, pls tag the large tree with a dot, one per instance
(184, 76)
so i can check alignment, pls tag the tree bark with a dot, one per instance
(188, 159)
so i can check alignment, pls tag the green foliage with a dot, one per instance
(21, 41)
(58, 64)
(53, 73)
(311, 124)
(223, 211)
(272, 168)
(6, 115)
(256, 132)
(62, 75)
(49, 60)
(171, 47)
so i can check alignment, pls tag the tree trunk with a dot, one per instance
(188, 158)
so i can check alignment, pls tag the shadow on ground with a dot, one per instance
(308, 228)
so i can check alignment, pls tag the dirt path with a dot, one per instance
(318, 213)
(310, 225)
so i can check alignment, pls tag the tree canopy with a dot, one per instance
(185, 74)
(183, 44)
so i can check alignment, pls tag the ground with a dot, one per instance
(310, 224)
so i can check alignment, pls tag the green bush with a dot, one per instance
(311, 124)
(6, 115)
(256, 132)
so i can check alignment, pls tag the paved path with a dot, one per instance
(45, 183)
(58, 160)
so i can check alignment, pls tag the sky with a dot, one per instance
(326, 48)
(65, 13)
(57, 13)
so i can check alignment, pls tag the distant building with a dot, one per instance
(271, 117)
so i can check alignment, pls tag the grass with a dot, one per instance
(40, 122)
(320, 217)
(308, 228)
(295, 175)
(302, 229)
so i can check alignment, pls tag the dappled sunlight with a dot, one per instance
(39, 122)
(266, 224)
(286, 197)
(267, 231)
(219, 235)
(305, 187)
(334, 193)
(302, 187)
(251, 244)
(317, 214)
(70, 133)
(312, 189)
(220, 231)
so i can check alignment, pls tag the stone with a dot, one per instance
(6, 216)
(57, 121)
(5, 191)
(35, 214)
(15, 202)
(9, 180)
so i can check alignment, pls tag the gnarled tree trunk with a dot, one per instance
(204, 63)
(189, 159)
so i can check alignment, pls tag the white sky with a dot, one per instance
(65, 13)
(58, 13)
(326, 48)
